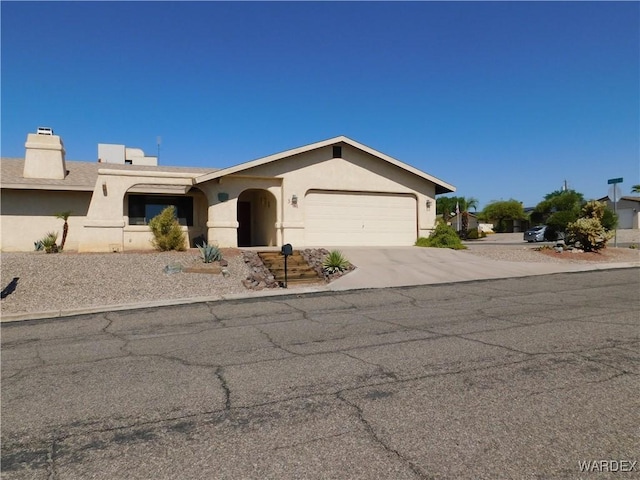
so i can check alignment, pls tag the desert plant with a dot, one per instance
(65, 228)
(167, 232)
(473, 234)
(589, 233)
(335, 262)
(49, 242)
(209, 253)
(443, 236)
(38, 246)
(593, 209)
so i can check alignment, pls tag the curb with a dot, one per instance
(51, 314)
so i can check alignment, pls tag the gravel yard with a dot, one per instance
(76, 280)
(53, 282)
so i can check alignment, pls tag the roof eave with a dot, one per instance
(34, 186)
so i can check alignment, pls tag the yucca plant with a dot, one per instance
(335, 262)
(49, 242)
(209, 253)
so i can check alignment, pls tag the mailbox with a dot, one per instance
(286, 250)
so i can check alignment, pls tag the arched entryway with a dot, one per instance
(257, 218)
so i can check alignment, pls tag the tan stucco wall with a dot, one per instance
(138, 237)
(104, 226)
(28, 215)
(314, 170)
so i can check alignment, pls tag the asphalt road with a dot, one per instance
(516, 378)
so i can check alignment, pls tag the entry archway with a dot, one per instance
(257, 213)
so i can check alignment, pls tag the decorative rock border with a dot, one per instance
(261, 277)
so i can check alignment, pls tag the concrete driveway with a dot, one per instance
(380, 267)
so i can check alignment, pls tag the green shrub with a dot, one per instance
(167, 232)
(443, 236)
(589, 233)
(473, 234)
(335, 262)
(609, 220)
(38, 246)
(483, 234)
(209, 253)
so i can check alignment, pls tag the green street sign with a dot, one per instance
(614, 180)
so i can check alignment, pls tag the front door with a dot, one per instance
(244, 221)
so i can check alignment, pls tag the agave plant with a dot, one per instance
(335, 262)
(209, 253)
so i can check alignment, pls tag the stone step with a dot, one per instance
(298, 270)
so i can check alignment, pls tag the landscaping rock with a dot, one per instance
(260, 276)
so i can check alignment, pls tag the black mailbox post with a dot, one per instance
(286, 250)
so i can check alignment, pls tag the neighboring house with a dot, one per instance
(456, 222)
(337, 192)
(628, 210)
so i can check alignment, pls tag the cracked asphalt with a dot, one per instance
(514, 378)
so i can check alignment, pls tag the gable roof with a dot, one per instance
(441, 187)
(81, 176)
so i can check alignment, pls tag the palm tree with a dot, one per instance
(65, 229)
(635, 189)
(466, 203)
(444, 206)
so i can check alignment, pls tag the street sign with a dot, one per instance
(614, 180)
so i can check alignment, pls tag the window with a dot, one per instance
(143, 208)
(337, 152)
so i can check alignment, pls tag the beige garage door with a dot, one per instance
(368, 219)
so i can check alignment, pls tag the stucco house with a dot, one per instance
(628, 210)
(336, 192)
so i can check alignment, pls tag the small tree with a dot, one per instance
(635, 189)
(502, 211)
(557, 210)
(167, 232)
(65, 228)
(588, 229)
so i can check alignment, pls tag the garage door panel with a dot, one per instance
(350, 218)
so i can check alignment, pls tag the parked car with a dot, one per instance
(535, 234)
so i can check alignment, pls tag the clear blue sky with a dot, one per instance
(503, 100)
